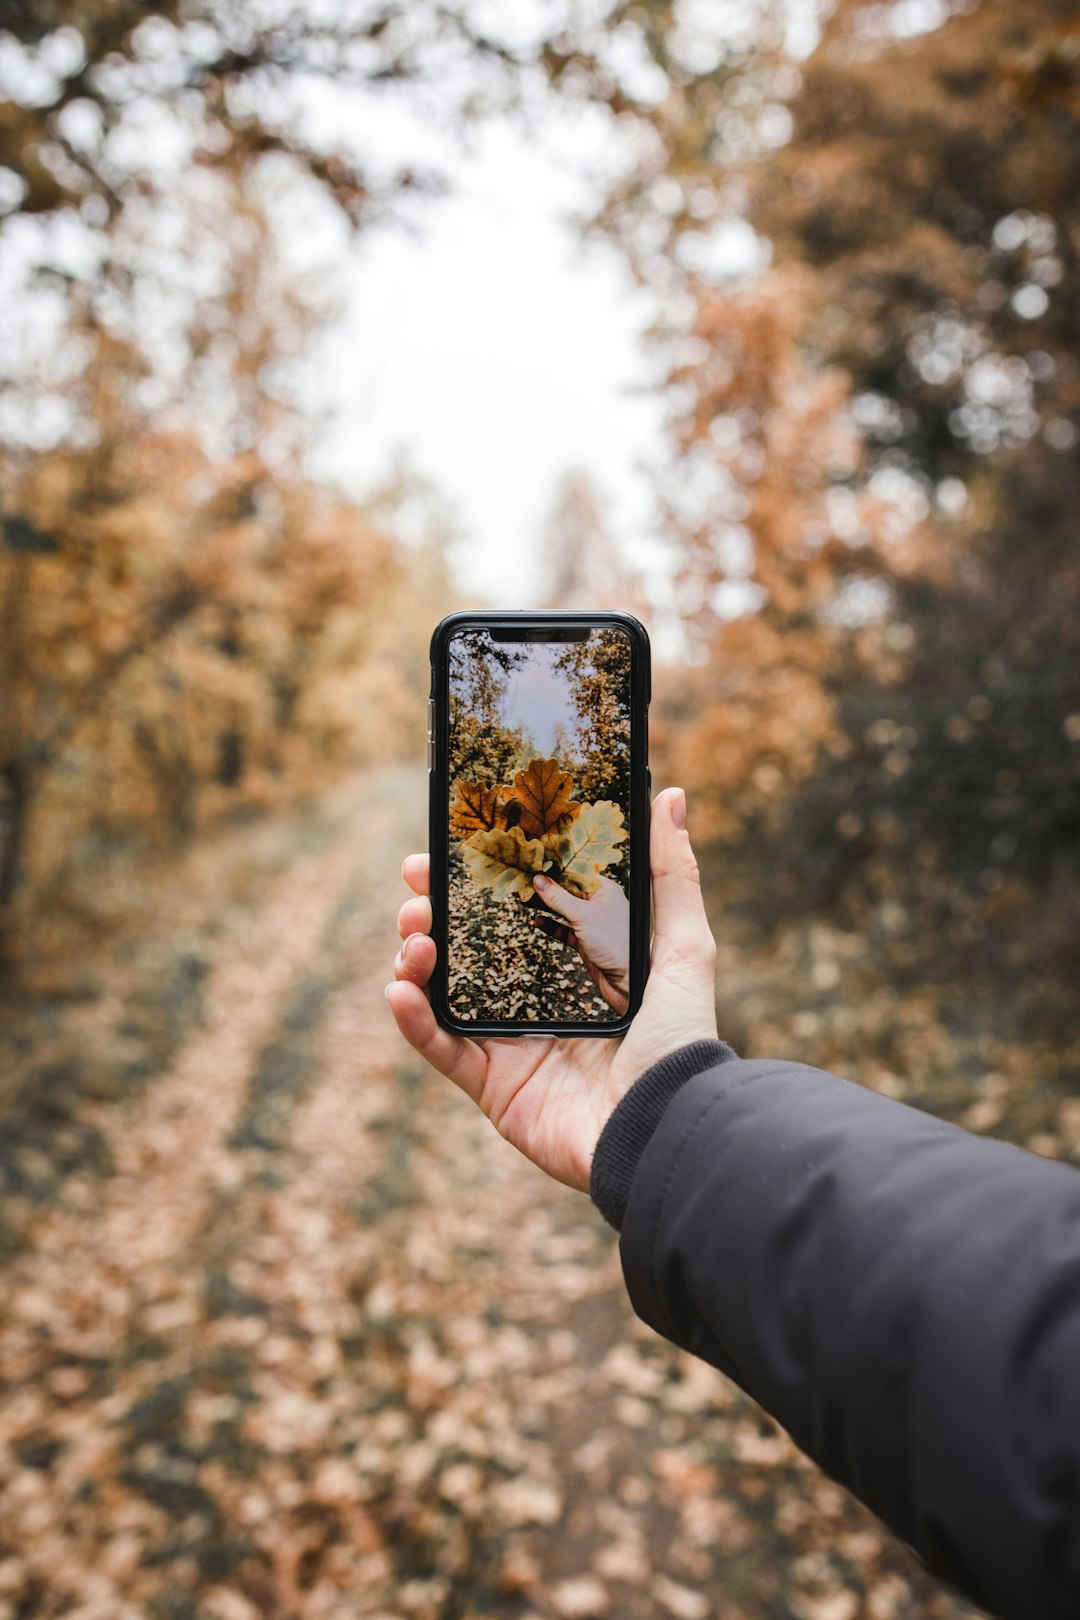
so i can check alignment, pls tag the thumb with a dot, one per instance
(557, 898)
(681, 927)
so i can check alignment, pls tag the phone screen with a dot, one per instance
(539, 785)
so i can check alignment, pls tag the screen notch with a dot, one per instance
(540, 632)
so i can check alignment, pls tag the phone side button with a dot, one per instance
(431, 753)
(648, 784)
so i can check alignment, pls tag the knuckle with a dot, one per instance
(692, 951)
(414, 917)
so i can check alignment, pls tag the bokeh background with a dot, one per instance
(317, 322)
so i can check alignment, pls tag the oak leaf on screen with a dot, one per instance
(476, 808)
(591, 842)
(543, 790)
(504, 861)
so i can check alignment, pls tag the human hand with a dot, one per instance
(549, 1096)
(599, 931)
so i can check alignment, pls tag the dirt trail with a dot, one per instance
(308, 1339)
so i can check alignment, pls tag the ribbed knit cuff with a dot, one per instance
(634, 1119)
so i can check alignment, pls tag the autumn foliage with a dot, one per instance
(289, 1332)
(183, 638)
(876, 445)
(509, 833)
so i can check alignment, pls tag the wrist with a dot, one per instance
(629, 1127)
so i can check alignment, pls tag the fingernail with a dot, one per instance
(410, 950)
(541, 882)
(386, 993)
(678, 809)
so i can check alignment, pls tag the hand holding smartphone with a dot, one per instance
(550, 1090)
(539, 803)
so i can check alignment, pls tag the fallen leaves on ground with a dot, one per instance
(502, 966)
(304, 1337)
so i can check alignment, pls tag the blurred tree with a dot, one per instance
(877, 467)
(583, 566)
(761, 433)
(168, 653)
(93, 86)
(77, 608)
(761, 439)
(932, 183)
(189, 621)
(698, 93)
(933, 187)
(190, 624)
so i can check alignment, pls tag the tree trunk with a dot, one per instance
(16, 816)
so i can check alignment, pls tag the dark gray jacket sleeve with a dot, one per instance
(903, 1297)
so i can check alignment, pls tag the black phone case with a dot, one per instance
(640, 798)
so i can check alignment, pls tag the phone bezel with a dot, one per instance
(640, 796)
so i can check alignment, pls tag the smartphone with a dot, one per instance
(538, 768)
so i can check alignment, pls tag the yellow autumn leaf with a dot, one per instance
(504, 860)
(475, 808)
(543, 791)
(582, 850)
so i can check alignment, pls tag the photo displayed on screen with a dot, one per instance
(539, 786)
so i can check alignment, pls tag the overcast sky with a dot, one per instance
(492, 347)
(496, 351)
(538, 698)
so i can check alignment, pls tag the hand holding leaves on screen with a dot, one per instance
(580, 852)
(599, 930)
(551, 1097)
(510, 832)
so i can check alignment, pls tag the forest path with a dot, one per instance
(303, 1337)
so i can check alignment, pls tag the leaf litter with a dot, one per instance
(309, 1339)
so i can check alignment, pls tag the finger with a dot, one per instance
(416, 959)
(416, 870)
(556, 930)
(458, 1058)
(681, 925)
(559, 899)
(415, 917)
(593, 971)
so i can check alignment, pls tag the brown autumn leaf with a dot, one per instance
(504, 861)
(476, 808)
(543, 791)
